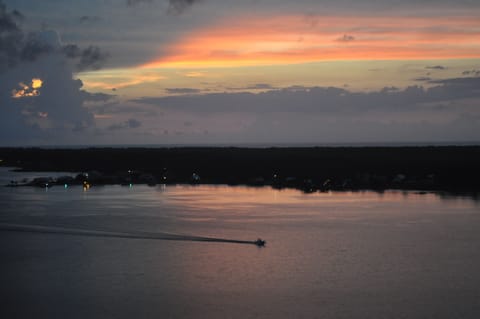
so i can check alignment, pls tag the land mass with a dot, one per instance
(452, 168)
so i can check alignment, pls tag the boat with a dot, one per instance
(260, 242)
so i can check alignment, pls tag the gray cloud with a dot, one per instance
(179, 6)
(182, 91)
(422, 79)
(18, 15)
(260, 86)
(8, 20)
(115, 127)
(465, 85)
(129, 124)
(446, 111)
(92, 58)
(135, 2)
(133, 123)
(436, 67)
(97, 97)
(312, 115)
(57, 108)
(346, 38)
(257, 86)
(38, 44)
(175, 7)
(471, 72)
(122, 109)
(89, 58)
(72, 51)
(17, 47)
(34, 63)
(11, 37)
(322, 100)
(89, 19)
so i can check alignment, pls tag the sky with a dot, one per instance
(243, 72)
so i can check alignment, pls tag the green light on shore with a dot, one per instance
(131, 185)
(66, 185)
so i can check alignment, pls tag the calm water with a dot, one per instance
(328, 255)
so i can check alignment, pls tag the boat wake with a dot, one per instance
(121, 234)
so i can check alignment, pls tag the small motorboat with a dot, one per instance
(260, 242)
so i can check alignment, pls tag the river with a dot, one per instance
(328, 255)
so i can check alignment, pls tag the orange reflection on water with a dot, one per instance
(244, 198)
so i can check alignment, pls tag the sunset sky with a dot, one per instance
(239, 72)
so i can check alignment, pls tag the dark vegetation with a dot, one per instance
(317, 168)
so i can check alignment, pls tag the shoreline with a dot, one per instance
(310, 169)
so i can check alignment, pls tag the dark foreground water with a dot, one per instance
(328, 255)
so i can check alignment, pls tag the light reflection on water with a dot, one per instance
(328, 255)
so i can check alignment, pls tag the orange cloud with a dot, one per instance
(109, 82)
(194, 74)
(28, 90)
(300, 39)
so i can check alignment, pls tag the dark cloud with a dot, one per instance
(296, 88)
(471, 72)
(8, 20)
(92, 58)
(464, 85)
(179, 6)
(257, 86)
(40, 98)
(89, 58)
(322, 99)
(133, 123)
(422, 79)
(389, 89)
(17, 46)
(131, 3)
(17, 14)
(182, 91)
(129, 124)
(38, 44)
(55, 112)
(260, 86)
(446, 110)
(436, 67)
(72, 51)
(97, 97)
(11, 38)
(113, 106)
(346, 38)
(88, 19)
(116, 127)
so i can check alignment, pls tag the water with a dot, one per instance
(328, 255)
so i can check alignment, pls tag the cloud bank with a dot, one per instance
(446, 111)
(39, 98)
(320, 100)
